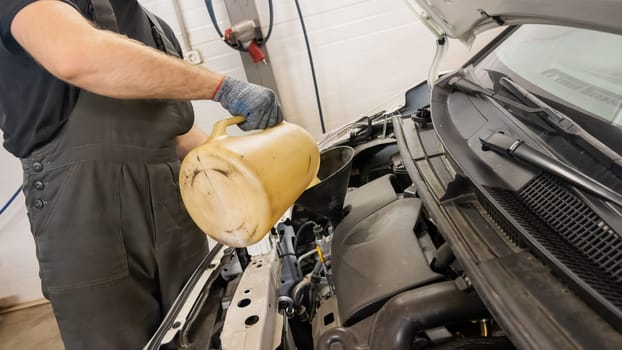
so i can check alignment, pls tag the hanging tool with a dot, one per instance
(247, 36)
(260, 43)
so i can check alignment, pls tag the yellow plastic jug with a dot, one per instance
(236, 188)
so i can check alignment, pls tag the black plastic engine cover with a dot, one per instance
(377, 256)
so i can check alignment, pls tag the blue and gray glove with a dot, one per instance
(258, 104)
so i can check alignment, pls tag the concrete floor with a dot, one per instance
(33, 329)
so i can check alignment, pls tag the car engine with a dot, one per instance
(357, 263)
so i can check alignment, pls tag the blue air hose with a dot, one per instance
(11, 200)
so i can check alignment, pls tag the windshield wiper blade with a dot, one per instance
(516, 149)
(554, 117)
(465, 85)
(559, 119)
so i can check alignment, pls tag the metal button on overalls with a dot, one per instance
(39, 185)
(39, 204)
(37, 166)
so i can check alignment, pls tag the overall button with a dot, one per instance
(39, 185)
(37, 166)
(39, 204)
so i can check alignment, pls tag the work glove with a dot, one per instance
(258, 104)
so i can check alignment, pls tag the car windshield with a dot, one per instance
(577, 67)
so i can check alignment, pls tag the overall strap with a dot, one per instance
(163, 42)
(103, 15)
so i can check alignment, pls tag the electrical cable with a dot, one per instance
(304, 226)
(317, 92)
(300, 229)
(270, 22)
(11, 200)
(212, 16)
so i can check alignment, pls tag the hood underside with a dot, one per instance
(463, 19)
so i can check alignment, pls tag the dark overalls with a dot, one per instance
(114, 242)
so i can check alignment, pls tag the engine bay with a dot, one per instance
(387, 279)
(357, 263)
(419, 237)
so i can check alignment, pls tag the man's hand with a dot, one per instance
(258, 104)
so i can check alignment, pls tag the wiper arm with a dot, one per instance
(462, 84)
(554, 117)
(558, 119)
(513, 148)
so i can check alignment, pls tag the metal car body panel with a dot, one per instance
(464, 19)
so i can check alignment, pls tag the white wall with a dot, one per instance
(367, 53)
(19, 280)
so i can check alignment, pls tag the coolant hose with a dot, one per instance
(435, 305)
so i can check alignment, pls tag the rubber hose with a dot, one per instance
(402, 317)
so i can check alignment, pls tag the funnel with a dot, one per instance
(326, 198)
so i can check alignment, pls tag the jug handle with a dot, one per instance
(220, 128)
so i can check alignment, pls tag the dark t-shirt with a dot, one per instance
(35, 103)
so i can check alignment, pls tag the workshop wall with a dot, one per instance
(367, 53)
(19, 280)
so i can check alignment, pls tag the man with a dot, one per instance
(95, 109)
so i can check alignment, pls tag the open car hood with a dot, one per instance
(463, 19)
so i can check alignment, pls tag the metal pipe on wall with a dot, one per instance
(186, 45)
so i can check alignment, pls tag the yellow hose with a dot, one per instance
(484, 328)
(319, 253)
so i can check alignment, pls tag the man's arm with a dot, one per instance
(69, 47)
